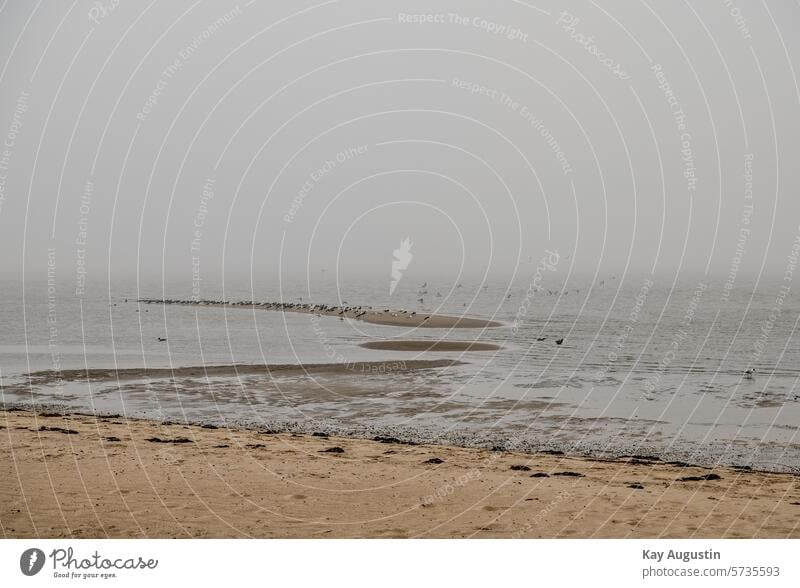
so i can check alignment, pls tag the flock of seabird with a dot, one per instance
(327, 309)
(318, 309)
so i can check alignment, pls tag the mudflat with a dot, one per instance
(230, 370)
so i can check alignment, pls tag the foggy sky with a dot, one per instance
(288, 138)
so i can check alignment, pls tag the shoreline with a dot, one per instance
(417, 436)
(83, 475)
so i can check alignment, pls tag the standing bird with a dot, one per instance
(749, 373)
(559, 341)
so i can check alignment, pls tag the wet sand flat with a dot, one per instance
(234, 370)
(391, 345)
(82, 476)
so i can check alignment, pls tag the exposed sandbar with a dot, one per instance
(422, 345)
(233, 370)
(389, 317)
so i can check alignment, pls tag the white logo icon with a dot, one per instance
(402, 257)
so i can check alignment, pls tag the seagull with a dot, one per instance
(749, 373)
(162, 339)
(559, 341)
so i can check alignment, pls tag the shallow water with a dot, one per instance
(661, 375)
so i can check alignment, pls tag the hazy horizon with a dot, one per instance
(292, 138)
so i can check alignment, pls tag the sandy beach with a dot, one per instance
(86, 476)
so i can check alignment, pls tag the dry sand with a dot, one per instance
(81, 476)
(393, 345)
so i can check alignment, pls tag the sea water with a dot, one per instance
(647, 365)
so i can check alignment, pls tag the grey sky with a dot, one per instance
(327, 132)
